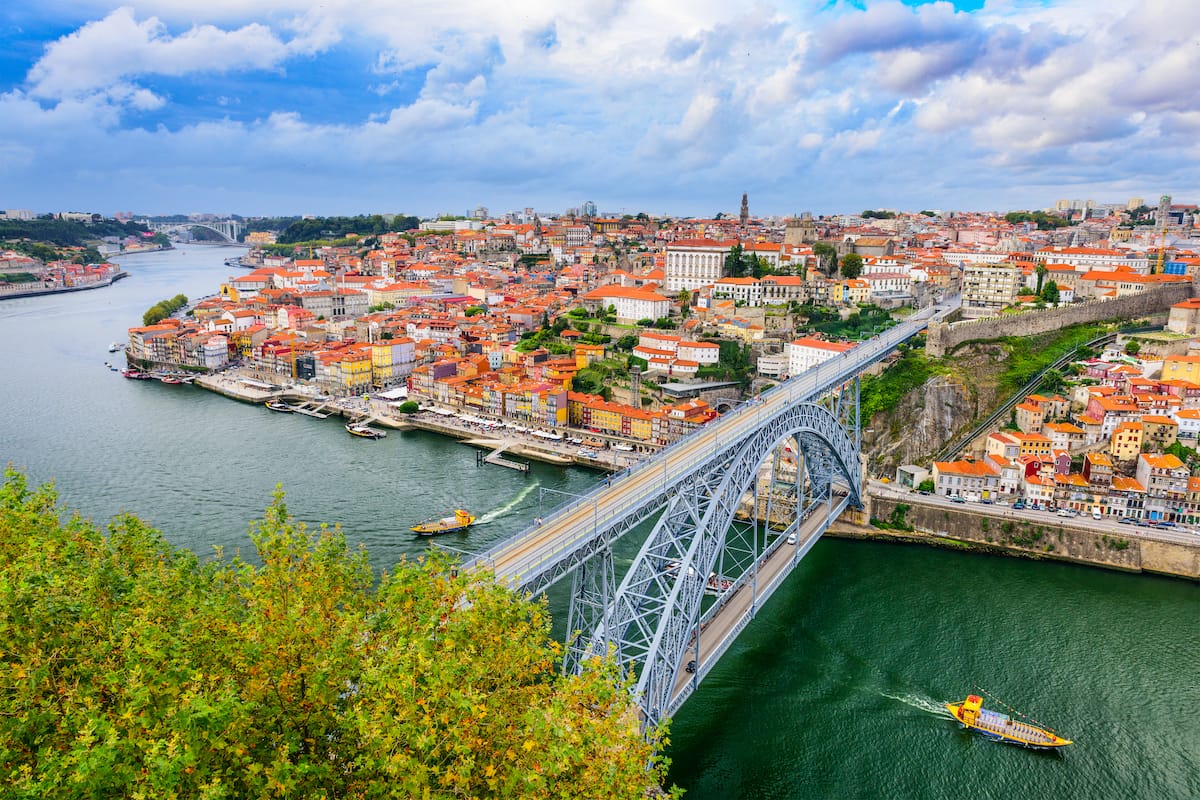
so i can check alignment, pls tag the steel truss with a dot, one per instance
(656, 611)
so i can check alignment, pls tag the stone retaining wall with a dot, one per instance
(942, 338)
(1004, 531)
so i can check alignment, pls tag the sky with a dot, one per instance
(274, 107)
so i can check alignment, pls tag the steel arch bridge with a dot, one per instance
(735, 506)
(229, 229)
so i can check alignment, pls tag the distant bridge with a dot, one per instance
(229, 229)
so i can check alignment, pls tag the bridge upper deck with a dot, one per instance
(528, 559)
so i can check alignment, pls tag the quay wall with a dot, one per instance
(1001, 531)
(16, 291)
(942, 337)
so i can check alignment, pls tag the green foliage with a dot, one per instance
(1050, 292)
(1044, 221)
(925, 485)
(408, 407)
(664, 323)
(826, 255)
(852, 265)
(593, 379)
(163, 309)
(474, 311)
(1132, 347)
(578, 313)
(1053, 381)
(928, 214)
(735, 264)
(884, 392)
(384, 306)
(627, 342)
(307, 230)
(1027, 356)
(68, 233)
(132, 669)
(869, 214)
(19, 277)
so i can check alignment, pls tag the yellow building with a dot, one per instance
(1181, 368)
(1126, 442)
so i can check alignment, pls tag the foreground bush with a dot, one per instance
(129, 668)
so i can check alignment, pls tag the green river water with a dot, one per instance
(833, 692)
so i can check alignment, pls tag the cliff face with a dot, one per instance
(929, 416)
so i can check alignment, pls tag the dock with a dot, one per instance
(312, 410)
(497, 457)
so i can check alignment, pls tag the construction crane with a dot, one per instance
(1164, 209)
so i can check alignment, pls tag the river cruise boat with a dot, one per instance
(364, 431)
(1002, 727)
(280, 406)
(458, 521)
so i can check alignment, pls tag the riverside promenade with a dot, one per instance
(257, 389)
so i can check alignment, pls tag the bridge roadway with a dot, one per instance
(734, 609)
(532, 559)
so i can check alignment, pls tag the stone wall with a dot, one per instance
(1004, 531)
(943, 338)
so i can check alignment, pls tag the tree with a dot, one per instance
(1053, 381)
(925, 485)
(1050, 291)
(735, 265)
(409, 407)
(474, 311)
(851, 265)
(1132, 347)
(1041, 271)
(685, 302)
(132, 668)
(826, 255)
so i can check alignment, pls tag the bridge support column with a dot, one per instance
(593, 586)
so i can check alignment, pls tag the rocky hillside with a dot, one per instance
(960, 389)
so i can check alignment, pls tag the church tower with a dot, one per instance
(744, 217)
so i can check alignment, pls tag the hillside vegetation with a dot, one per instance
(918, 404)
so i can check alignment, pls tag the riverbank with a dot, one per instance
(1070, 540)
(378, 412)
(42, 290)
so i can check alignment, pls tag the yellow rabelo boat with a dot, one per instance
(1002, 727)
(457, 522)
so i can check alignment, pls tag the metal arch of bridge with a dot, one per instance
(696, 480)
(650, 619)
(229, 229)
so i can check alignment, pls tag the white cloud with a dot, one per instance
(658, 97)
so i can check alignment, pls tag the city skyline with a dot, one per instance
(175, 106)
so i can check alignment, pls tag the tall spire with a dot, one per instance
(744, 217)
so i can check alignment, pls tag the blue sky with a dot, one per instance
(361, 106)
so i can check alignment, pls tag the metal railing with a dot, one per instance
(612, 501)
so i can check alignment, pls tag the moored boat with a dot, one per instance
(280, 406)
(137, 374)
(170, 380)
(115, 347)
(999, 727)
(364, 431)
(459, 520)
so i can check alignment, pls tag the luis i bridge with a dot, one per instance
(735, 506)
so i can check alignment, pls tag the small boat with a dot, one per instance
(170, 380)
(365, 431)
(459, 520)
(1002, 727)
(137, 375)
(280, 406)
(115, 347)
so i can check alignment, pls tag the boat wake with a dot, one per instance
(922, 704)
(507, 507)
